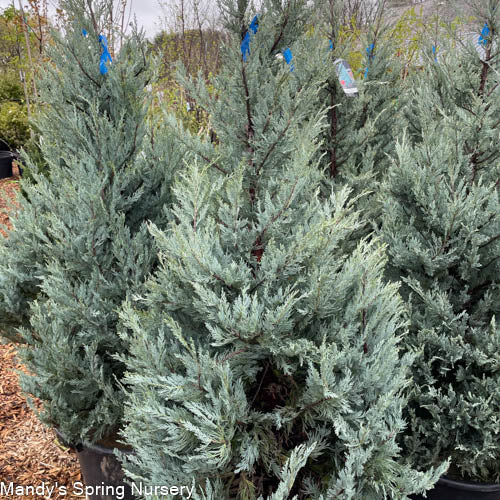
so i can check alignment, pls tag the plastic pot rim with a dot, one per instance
(103, 450)
(468, 486)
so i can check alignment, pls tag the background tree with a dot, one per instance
(192, 34)
(79, 243)
(360, 131)
(462, 82)
(17, 74)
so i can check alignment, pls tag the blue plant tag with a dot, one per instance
(434, 52)
(105, 56)
(483, 37)
(287, 54)
(245, 44)
(84, 32)
(369, 52)
(254, 25)
(103, 41)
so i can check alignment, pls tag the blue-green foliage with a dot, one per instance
(79, 243)
(264, 359)
(442, 226)
(360, 130)
(442, 232)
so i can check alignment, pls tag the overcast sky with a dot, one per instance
(148, 13)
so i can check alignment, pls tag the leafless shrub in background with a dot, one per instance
(192, 34)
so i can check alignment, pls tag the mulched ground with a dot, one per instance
(29, 452)
(8, 189)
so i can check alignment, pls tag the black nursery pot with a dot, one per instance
(6, 158)
(449, 489)
(102, 472)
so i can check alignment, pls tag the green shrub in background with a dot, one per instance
(14, 127)
(11, 89)
(198, 52)
(172, 97)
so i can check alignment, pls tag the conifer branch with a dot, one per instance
(258, 250)
(333, 133)
(492, 90)
(206, 158)
(132, 150)
(233, 354)
(448, 234)
(491, 240)
(144, 65)
(270, 114)
(249, 128)
(485, 69)
(260, 384)
(490, 262)
(465, 108)
(84, 71)
(280, 35)
(92, 16)
(214, 275)
(474, 292)
(314, 404)
(403, 206)
(488, 158)
(275, 143)
(213, 164)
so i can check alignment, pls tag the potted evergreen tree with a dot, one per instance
(442, 224)
(264, 358)
(448, 261)
(79, 243)
(442, 231)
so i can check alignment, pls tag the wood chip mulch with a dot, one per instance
(8, 190)
(29, 452)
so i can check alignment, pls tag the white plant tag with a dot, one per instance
(346, 78)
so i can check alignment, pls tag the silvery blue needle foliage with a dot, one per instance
(360, 130)
(442, 224)
(79, 244)
(462, 87)
(264, 358)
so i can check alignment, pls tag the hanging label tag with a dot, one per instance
(369, 53)
(346, 78)
(434, 51)
(483, 37)
(287, 54)
(245, 44)
(105, 56)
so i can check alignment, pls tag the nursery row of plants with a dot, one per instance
(297, 302)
